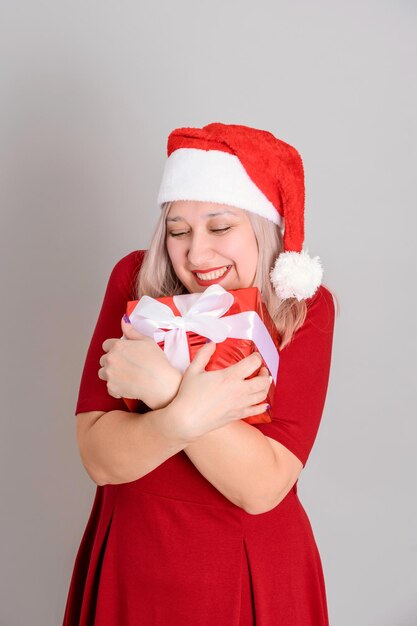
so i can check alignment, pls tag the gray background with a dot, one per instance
(90, 91)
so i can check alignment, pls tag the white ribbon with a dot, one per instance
(201, 313)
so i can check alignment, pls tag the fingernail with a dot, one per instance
(126, 319)
(268, 406)
(207, 340)
(270, 379)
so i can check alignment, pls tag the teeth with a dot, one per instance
(212, 275)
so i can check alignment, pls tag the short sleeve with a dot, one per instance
(303, 376)
(93, 394)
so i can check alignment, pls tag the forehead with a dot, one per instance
(185, 209)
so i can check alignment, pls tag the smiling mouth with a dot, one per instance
(212, 275)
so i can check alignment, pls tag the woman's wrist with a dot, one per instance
(170, 424)
(170, 386)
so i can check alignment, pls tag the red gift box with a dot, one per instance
(230, 350)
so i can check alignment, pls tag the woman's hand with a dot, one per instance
(136, 367)
(207, 400)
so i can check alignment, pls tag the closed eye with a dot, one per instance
(213, 230)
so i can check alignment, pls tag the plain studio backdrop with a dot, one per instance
(90, 92)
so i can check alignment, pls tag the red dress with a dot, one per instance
(169, 549)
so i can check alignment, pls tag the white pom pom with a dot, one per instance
(296, 275)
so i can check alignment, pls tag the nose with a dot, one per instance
(200, 252)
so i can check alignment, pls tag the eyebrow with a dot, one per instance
(178, 218)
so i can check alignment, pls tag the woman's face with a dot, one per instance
(205, 236)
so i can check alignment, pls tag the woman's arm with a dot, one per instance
(236, 458)
(119, 446)
(243, 464)
(251, 470)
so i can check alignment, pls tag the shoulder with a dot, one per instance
(130, 262)
(321, 309)
(128, 265)
(125, 271)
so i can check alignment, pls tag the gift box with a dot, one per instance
(237, 320)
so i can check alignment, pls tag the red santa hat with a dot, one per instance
(250, 169)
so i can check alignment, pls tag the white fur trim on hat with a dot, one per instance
(296, 275)
(213, 176)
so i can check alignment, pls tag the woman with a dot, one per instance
(196, 518)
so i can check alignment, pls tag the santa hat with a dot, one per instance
(250, 169)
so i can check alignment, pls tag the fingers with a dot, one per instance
(130, 332)
(103, 360)
(259, 396)
(247, 366)
(102, 375)
(107, 344)
(202, 357)
(257, 384)
(263, 371)
(253, 410)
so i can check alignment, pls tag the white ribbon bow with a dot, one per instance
(201, 313)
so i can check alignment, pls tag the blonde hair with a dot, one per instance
(157, 277)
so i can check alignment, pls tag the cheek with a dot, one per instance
(172, 249)
(243, 248)
(246, 257)
(175, 254)
(171, 254)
